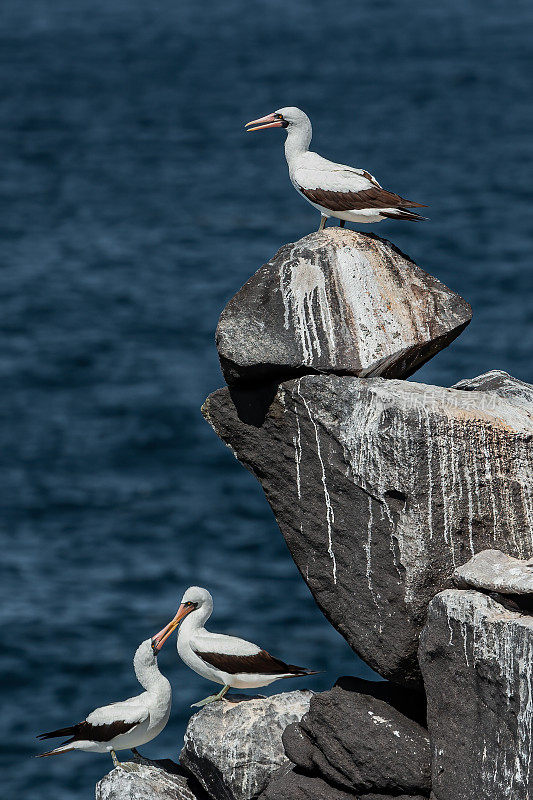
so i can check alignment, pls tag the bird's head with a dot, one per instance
(288, 117)
(194, 598)
(146, 654)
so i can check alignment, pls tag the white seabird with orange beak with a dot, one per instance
(336, 190)
(227, 660)
(125, 725)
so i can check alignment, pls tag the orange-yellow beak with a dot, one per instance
(270, 121)
(160, 638)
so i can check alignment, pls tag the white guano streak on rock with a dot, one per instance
(330, 516)
(303, 286)
(506, 643)
(297, 440)
(368, 550)
(425, 413)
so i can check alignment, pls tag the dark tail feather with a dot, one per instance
(60, 732)
(403, 214)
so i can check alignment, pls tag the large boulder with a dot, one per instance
(494, 571)
(356, 738)
(477, 661)
(381, 489)
(337, 301)
(145, 780)
(233, 747)
(295, 785)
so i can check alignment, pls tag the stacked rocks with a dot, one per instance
(384, 489)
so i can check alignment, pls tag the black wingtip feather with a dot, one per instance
(406, 215)
(60, 732)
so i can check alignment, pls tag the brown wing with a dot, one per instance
(85, 731)
(376, 197)
(262, 663)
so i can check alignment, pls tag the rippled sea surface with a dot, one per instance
(133, 207)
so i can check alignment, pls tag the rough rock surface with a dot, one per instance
(146, 781)
(337, 301)
(356, 739)
(494, 571)
(233, 748)
(477, 661)
(502, 384)
(381, 488)
(294, 785)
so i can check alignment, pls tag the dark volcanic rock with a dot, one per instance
(146, 781)
(337, 301)
(477, 662)
(294, 785)
(233, 748)
(493, 571)
(381, 488)
(355, 739)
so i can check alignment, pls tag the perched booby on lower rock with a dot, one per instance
(336, 190)
(226, 660)
(125, 725)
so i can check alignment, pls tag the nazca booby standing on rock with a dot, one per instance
(336, 190)
(232, 662)
(125, 725)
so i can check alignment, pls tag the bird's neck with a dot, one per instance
(195, 621)
(298, 140)
(149, 677)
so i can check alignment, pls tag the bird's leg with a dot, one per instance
(211, 699)
(116, 762)
(222, 692)
(136, 752)
(322, 223)
(341, 223)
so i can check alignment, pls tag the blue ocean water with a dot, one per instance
(133, 207)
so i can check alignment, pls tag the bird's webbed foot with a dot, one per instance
(211, 699)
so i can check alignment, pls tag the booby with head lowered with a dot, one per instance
(227, 660)
(125, 725)
(336, 190)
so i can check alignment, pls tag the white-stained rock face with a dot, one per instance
(381, 489)
(337, 301)
(144, 781)
(234, 746)
(493, 571)
(477, 660)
